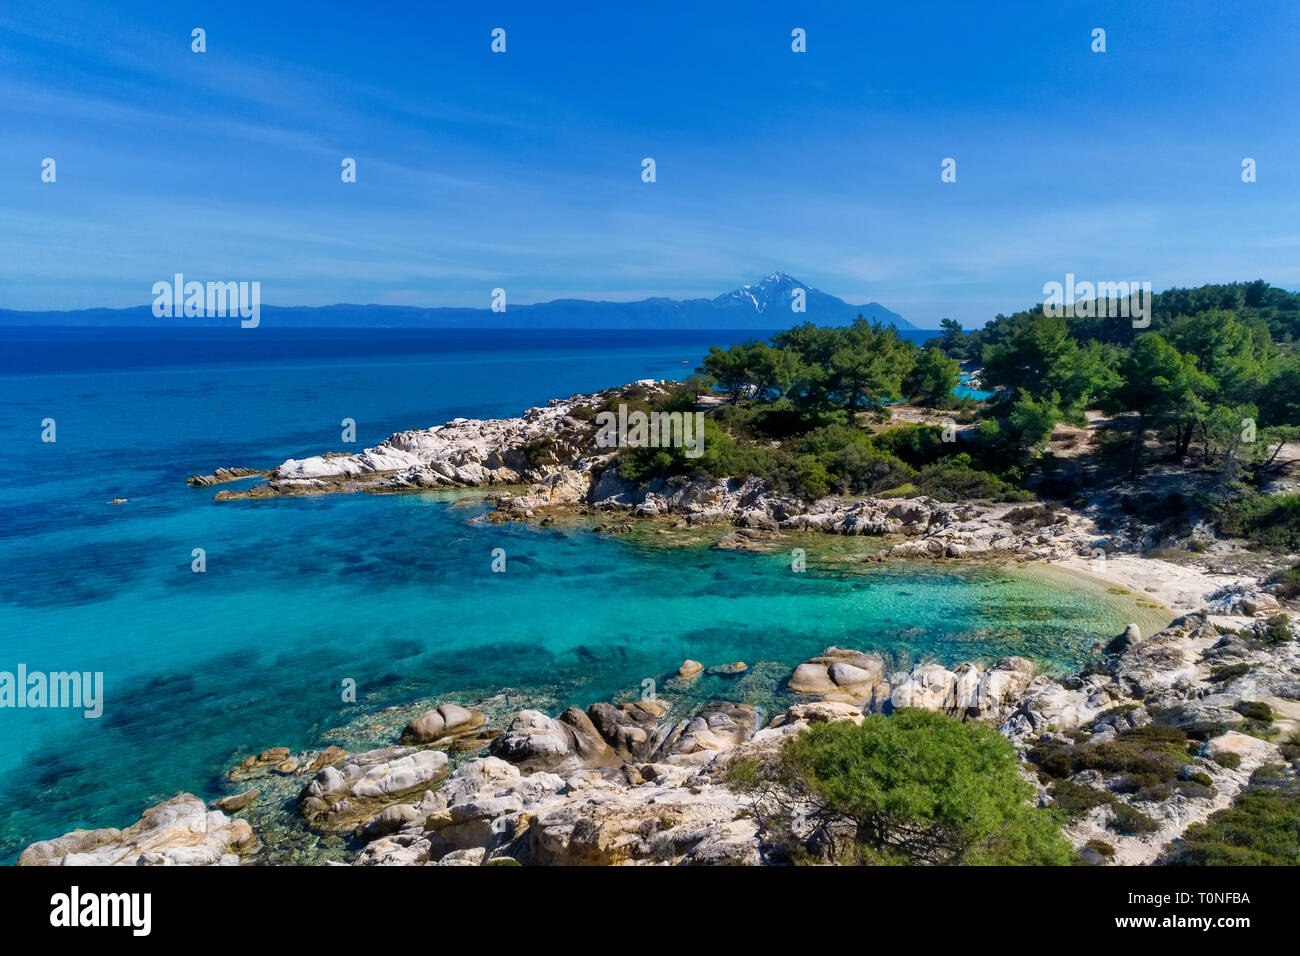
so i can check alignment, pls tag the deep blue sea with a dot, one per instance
(394, 592)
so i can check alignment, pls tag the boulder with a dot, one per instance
(482, 806)
(1251, 750)
(719, 726)
(630, 729)
(444, 722)
(817, 712)
(689, 669)
(650, 825)
(733, 669)
(1003, 685)
(849, 675)
(357, 789)
(570, 742)
(930, 687)
(238, 801)
(180, 832)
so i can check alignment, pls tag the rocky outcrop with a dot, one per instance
(358, 788)
(442, 724)
(845, 675)
(563, 744)
(1238, 599)
(966, 691)
(221, 476)
(554, 449)
(643, 782)
(179, 832)
(553, 446)
(719, 726)
(602, 826)
(631, 730)
(238, 801)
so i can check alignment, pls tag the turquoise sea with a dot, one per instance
(394, 592)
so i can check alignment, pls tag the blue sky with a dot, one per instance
(522, 170)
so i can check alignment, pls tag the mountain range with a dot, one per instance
(762, 305)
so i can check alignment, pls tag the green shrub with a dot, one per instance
(1032, 516)
(539, 452)
(1272, 522)
(1228, 672)
(1074, 799)
(1255, 710)
(1261, 829)
(954, 479)
(1287, 581)
(1277, 630)
(915, 786)
(1145, 756)
(1128, 821)
(917, 445)
(1291, 747)
(1227, 759)
(1102, 847)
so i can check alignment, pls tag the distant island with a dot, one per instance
(763, 305)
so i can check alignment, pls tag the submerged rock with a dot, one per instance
(238, 801)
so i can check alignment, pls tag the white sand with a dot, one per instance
(1179, 587)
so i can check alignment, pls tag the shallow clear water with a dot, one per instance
(394, 592)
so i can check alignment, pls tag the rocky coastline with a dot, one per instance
(643, 781)
(547, 464)
(639, 783)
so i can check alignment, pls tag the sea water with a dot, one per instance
(395, 593)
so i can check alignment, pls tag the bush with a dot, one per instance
(539, 452)
(1102, 847)
(1261, 829)
(1228, 672)
(1074, 799)
(1255, 710)
(916, 787)
(1039, 516)
(918, 445)
(1277, 630)
(1145, 756)
(1291, 747)
(954, 479)
(1287, 581)
(722, 457)
(1128, 821)
(1272, 521)
(1227, 760)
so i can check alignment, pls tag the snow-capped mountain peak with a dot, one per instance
(773, 291)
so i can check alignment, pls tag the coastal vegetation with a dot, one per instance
(1210, 388)
(1261, 828)
(916, 787)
